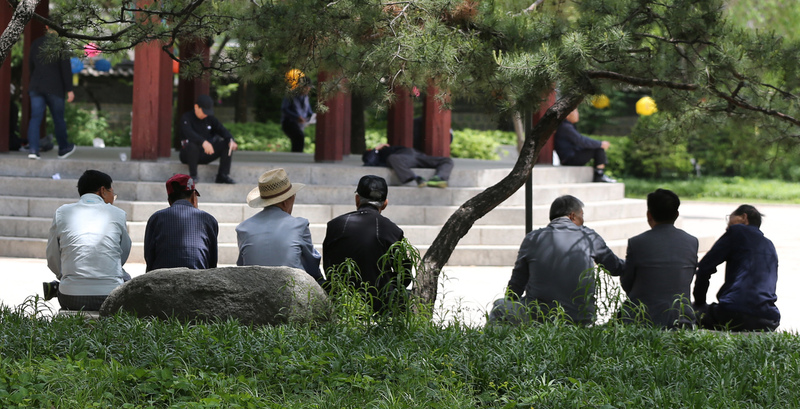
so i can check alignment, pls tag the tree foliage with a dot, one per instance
(696, 63)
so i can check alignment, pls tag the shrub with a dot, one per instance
(474, 144)
(83, 125)
(655, 154)
(267, 137)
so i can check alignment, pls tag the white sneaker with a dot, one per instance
(34, 156)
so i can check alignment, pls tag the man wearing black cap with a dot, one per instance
(181, 235)
(365, 236)
(205, 139)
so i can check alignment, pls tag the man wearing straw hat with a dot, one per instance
(273, 237)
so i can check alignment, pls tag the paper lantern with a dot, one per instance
(646, 106)
(90, 50)
(102, 65)
(600, 101)
(75, 80)
(294, 77)
(76, 64)
(176, 67)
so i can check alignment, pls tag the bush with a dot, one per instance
(267, 137)
(475, 144)
(83, 125)
(655, 154)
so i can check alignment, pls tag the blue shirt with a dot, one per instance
(181, 236)
(296, 107)
(751, 272)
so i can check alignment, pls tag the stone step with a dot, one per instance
(248, 166)
(30, 187)
(321, 213)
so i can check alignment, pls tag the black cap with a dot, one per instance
(206, 104)
(373, 188)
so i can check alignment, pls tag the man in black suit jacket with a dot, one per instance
(659, 267)
(365, 236)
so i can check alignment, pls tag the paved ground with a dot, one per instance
(467, 292)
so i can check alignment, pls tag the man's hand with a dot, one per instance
(208, 148)
(70, 96)
(381, 146)
(232, 146)
(605, 145)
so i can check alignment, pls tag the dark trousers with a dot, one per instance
(192, 155)
(583, 156)
(294, 130)
(721, 318)
(403, 160)
(39, 103)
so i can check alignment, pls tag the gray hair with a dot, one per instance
(565, 205)
(368, 201)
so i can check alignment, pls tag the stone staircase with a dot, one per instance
(29, 195)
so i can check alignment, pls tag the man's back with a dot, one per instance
(363, 236)
(751, 271)
(88, 245)
(555, 263)
(659, 268)
(273, 237)
(181, 236)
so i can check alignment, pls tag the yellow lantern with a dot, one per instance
(646, 106)
(600, 101)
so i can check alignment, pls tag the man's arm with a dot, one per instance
(520, 274)
(708, 265)
(125, 240)
(53, 251)
(309, 256)
(604, 256)
(149, 243)
(629, 274)
(213, 244)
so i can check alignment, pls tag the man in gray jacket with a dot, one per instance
(659, 267)
(555, 268)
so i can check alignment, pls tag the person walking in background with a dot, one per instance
(87, 246)
(747, 298)
(574, 149)
(659, 267)
(181, 235)
(205, 139)
(296, 110)
(51, 78)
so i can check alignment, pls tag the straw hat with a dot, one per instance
(273, 187)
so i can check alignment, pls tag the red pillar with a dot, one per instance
(347, 127)
(5, 83)
(400, 123)
(33, 30)
(190, 89)
(437, 125)
(546, 153)
(330, 127)
(152, 102)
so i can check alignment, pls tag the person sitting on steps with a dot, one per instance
(574, 149)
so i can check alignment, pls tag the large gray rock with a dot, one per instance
(251, 294)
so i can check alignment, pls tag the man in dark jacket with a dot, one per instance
(659, 267)
(181, 235)
(401, 159)
(205, 140)
(574, 149)
(51, 78)
(747, 298)
(365, 236)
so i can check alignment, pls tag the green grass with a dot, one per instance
(734, 189)
(124, 362)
